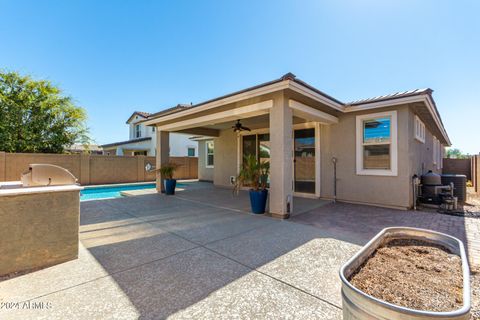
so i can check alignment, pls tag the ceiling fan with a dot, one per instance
(238, 127)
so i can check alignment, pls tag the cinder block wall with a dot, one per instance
(458, 166)
(475, 173)
(94, 169)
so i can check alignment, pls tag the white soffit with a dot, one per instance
(311, 114)
(248, 111)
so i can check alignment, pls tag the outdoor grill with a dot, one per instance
(46, 175)
(40, 219)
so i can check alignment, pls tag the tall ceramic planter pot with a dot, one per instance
(258, 200)
(359, 305)
(170, 185)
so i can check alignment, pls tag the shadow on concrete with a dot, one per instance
(200, 253)
(173, 253)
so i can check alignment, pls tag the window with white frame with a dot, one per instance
(419, 130)
(209, 154)
(191, 152)
(138, 132)
(376, 137)
(440, 162)
(437, 153)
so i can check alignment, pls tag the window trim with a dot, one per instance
(207, 154)
(442, 150)
(419, 130)
(257, 143)
(393, 171)
(138, 131)
(191, 148)
(437, 153)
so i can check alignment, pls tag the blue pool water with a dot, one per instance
(112, 192)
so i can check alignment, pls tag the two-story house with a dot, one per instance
(142, 138)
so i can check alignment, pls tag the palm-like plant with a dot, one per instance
(254, 173)
(167, 170)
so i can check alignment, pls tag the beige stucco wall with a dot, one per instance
(204, 173)
(225, 153)
(420, 154)
(38, 230)
(339, 141)
(225, 159)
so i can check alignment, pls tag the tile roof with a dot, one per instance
(143, 114)
(125, 142)
(178, 107)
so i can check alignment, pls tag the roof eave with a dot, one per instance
(268, 87)
(425, 97)
(135, 113)
(125, 142)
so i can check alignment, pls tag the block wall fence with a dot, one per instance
(94, 169)
(458, 166)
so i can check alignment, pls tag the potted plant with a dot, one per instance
(167, 171)
(254, 174)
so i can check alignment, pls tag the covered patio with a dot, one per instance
(223, 197)
(284, 118)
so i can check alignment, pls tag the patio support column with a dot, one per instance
(162, 156)
(281, 159)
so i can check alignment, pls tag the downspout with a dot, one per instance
(334, 160)
(415, 184)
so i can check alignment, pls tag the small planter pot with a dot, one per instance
(258, 200)
(170, 185)
(359, 305)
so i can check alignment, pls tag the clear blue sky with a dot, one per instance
(114, 57)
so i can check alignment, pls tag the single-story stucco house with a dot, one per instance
(143, 140)
(377, 144)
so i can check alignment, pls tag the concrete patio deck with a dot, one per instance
(200, 255)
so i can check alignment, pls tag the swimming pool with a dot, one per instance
(109, 192)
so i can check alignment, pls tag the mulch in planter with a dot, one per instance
(414, 274)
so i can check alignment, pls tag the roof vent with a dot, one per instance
(288, 76)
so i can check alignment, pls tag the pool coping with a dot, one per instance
(117, 184)
(125, 193)
(131, 183)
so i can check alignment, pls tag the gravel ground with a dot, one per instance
(414, 274)
(473, 206)
(475, 283)
(473, 202)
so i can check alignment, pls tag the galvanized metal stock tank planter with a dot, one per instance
(359, 305)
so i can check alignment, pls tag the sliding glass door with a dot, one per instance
(257, 145)
(304, 156)
(304, 160)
